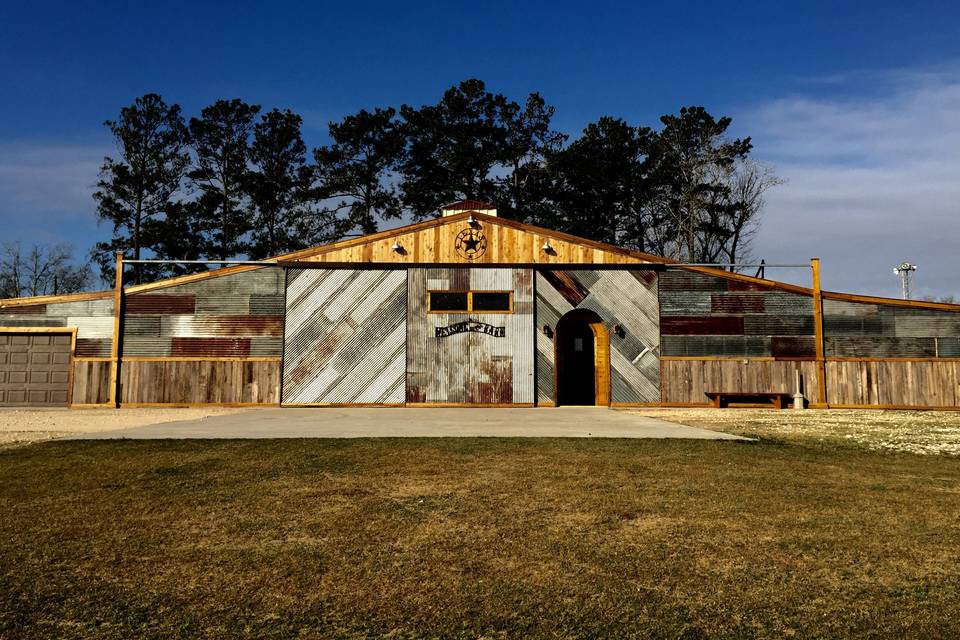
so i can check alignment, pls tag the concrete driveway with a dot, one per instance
(572, 422)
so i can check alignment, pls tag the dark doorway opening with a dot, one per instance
(582, 359)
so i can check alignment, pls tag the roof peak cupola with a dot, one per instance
(462, 206)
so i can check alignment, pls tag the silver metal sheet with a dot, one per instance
(470, 367)
(344, 336)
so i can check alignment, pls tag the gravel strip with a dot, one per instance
(24, 426)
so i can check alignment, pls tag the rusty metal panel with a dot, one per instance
(701, 325)
(769, 325)
(141, 326)
(159, 303)
(948, 347)
(930, 324)
(210, 347)
(844, 308)
(787, 304)
(93, 320)
(767, 318)
(793, 346)
(747, 346)
(221, 326)
(686, 303)
(263, 305)
(84, 308)
(224, 305)
(266, 347)
(31, 321)
(344, 336)
(93, 348)
(213, 317)
(261, 281)
(146, 346)
(33, 309)
(676, 280)
(625, 298)
(882, 347)
(471, 366)
(737, 303)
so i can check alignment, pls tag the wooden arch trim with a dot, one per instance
(601, 354)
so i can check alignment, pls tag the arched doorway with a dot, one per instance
(582, 352)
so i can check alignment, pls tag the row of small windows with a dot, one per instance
(470, 301)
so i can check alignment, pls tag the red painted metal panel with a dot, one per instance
(230, 326)
(701, 326)
(739, 285)
(210, 347)
(160, 304)
(792, 347)
(93, 348)
(736, 303)
(567, 286)
(39, 309)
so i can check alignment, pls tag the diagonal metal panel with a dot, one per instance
(345, 336)
(625, 298)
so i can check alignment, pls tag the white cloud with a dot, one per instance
(46, 194)
(48, 180)
(872, 181)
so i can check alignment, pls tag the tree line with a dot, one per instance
(238, 181)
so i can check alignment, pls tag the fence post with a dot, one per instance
(818, 325)
(115, 345)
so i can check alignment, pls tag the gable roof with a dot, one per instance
(508, 243)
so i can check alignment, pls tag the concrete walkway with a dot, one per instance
(572, 422)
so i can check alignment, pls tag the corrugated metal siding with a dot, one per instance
(93, 320)
(345, 336)
(868, 330)
(217, 317)
(627, 298)
(705, 315)
(470, 367)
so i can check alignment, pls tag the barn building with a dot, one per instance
(472, 309)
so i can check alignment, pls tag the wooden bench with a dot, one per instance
(776, 399)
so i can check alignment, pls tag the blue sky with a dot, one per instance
(857, 105)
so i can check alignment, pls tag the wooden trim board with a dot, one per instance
(818, 329)
(67, 297)
(201, 359)
(114, 396)
(189, 405)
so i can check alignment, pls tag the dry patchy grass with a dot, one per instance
(919, 432)
(476, 538)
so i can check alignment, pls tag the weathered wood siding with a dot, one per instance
(91, 381)
(864, 330)
(619, 297)
(345, 336)
(200, 382)
(507, 243)
(686, 381)
(705, 315)
(470, 367)
(894, 383)
(93, 320)
(237, 315)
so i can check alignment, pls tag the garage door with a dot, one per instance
(34, 369)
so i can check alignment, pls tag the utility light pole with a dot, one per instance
(905, 271)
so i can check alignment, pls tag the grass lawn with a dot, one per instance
(920, 432)
(476, 537)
